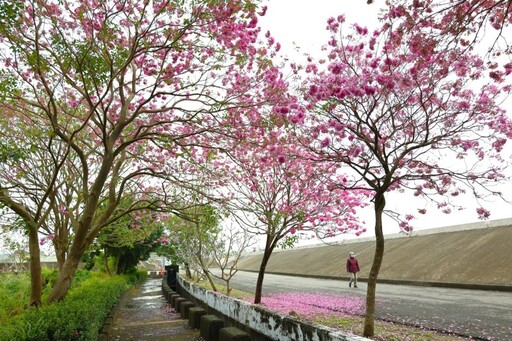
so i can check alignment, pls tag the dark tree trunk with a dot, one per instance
(187, 270)
(63, 283)
(206, 272)
(105, 262)
(261, 274)
(210, 279)
(60, 251)
(64, 280)
(60, 244)
(36, 280)
(61, 258)
(380, 203)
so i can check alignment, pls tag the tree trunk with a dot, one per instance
(61, 287)
(187, 270)
(105, 262)
(369, 321)
(210, 280)
(116, 264)
(261, 274)
(60, 245)
(60, 253)
(82, 237)
(206, 271)
(36, 280)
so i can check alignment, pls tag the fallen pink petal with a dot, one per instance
(310, 304)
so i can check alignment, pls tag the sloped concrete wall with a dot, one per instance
(477, 255)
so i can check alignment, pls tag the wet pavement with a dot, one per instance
(143, 314)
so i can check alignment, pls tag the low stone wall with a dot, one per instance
(262, 324)
(8, 266)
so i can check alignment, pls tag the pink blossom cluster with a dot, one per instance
(287, 192)
(46, 239)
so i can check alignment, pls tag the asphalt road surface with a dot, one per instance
(482, 315)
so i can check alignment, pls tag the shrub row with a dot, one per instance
(78, 317)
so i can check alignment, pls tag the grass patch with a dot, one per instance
(235, 293)
(14, 295)
(384, 331)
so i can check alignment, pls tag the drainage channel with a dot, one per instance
(143, 314)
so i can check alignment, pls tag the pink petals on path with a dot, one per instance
(309, 304)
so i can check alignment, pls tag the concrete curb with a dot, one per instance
(196, 320)
(106, 329)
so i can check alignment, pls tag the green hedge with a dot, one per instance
(79, 316)
(14, 296)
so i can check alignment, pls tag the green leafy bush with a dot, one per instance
(14, 295)
(80, 276)
(49, 276)
(136, 276)
(78, 317)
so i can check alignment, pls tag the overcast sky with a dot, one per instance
(302, 23)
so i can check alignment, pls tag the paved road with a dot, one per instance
(143, 314)
(484, 315)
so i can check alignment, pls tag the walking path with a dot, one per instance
(143, 314)
(479, 314)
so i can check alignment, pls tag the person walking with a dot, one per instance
(352, 268)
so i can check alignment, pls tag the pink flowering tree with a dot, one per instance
(129, 91)
(467, 25)
(462, 23)
(275, 192)
(40, 185)
(407, 117)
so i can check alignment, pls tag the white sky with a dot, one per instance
(302, 23)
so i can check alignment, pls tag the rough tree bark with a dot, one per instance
(379, 204)
(261, 274)
(36, 280)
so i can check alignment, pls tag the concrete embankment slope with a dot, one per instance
(472, 255)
